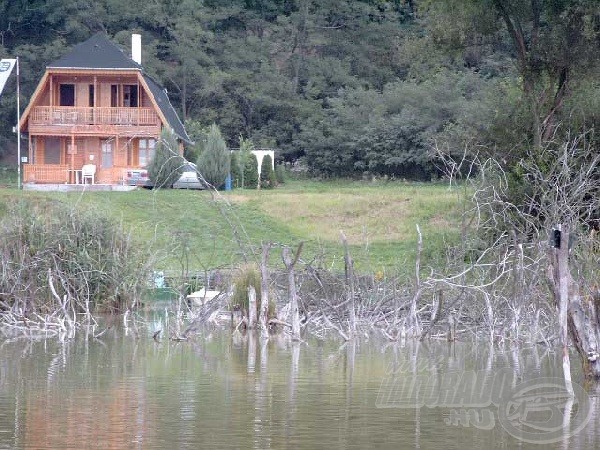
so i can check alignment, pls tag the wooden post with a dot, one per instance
(72, 156)
(413, 321)
(251, 307)
(451, 328)
(293, 297)
(264, 292)
(562, 254)
(349, 269)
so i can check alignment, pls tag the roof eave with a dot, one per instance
(94, 68)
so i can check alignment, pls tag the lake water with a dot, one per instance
(124, 390)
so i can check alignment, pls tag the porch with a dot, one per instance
(64, 174)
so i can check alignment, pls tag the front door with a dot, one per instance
(107, 154)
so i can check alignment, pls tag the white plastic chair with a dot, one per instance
(88, 171)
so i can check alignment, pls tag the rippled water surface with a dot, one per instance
(221, 391)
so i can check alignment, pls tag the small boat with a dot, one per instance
(201, 297)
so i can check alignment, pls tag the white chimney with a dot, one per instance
(136, 48)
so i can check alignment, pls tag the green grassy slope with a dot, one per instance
(210, 231)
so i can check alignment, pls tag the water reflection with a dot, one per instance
(224, 390)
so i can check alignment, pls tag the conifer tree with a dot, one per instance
(214, 161)
(166, 166)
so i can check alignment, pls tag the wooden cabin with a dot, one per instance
(95, 108)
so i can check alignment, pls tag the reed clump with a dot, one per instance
(55, 257)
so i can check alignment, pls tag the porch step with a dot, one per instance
(76, 187)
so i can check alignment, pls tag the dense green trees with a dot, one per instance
(552, 45)
(355, 87)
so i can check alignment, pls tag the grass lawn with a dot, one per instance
(204, 230)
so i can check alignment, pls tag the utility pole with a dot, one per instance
(18, 128)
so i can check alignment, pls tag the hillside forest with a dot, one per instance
(344, 88)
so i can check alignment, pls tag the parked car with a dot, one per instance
(189, 178)
(138, 177)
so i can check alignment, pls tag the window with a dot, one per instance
(107, 154)
(146, 151)
(124, 95)
(67, 95)
(130, 95)
(114, 95)
(91, 95)
(52, 151)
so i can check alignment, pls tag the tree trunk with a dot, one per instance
(577, 317)
(293, 297)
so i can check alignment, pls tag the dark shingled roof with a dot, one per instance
(98, 52)
(162, 99)
(95, 53)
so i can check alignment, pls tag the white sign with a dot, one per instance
(6, 67)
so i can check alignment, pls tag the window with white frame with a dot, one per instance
(146, 151)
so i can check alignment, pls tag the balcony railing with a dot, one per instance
(71, 115)
(65, 174)
(55, 173)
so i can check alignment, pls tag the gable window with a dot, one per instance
(146, 151)
(67, 95)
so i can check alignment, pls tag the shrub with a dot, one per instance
(280, 173)
(249, 276)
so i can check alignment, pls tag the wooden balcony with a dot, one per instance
(81, 120)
